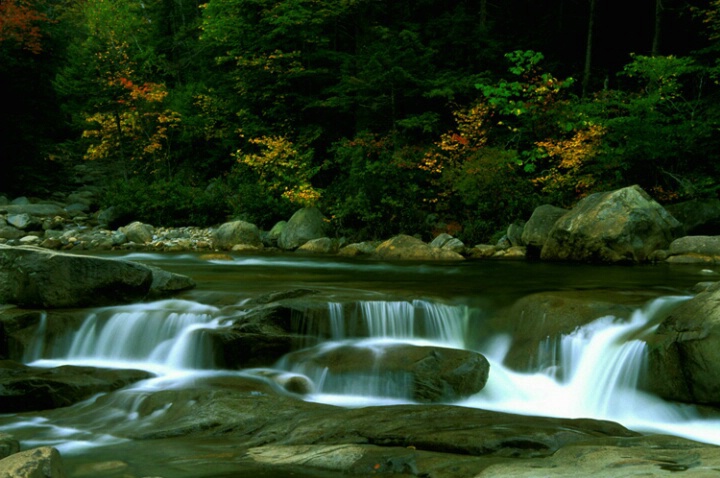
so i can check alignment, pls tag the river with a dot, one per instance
(448, 305)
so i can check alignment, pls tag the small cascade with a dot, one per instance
(593, 372)
(37, 345)
(401, 320)
(165, 333)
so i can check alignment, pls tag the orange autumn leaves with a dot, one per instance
(20, 23)
(137, 126)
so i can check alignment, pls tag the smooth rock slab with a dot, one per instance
(25, 388)
(33, 277)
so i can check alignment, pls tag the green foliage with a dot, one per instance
(377, 189)
(526, 109)
(163, 202)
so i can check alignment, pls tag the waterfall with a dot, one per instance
(165, 333)
(401, 320)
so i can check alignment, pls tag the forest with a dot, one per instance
(392, 117)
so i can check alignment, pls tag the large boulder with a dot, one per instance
(623, 226)
(408, 248)
(539, 225)
(306, 224)
(429, 374)
(41, 210)
(24, 388)
(37, 278)
(43, 462)
(237, 233)
(684, 352)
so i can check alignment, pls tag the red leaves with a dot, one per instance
(19, 23)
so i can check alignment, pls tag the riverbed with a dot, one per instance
(460, 299)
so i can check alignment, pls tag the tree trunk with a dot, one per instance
(658, 24)
(588, 49)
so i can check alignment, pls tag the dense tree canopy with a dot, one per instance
(392, 116)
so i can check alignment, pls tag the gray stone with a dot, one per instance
(237, 233)
(36, 277)
(515, 233)
(138, 232)
(440, 240)
(695, 249)
(539, 225)
(20, 201)
(38, 210)
(306, 224)
(20, 221)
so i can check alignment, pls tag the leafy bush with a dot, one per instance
(163, 202)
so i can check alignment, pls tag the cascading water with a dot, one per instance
(595, 374)
(154, 336)
(591, 373)
(367, 332)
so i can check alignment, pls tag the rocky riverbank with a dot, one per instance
(623, 226)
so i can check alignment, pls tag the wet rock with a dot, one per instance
(24, 388)
(685, 350)
(165, 284)
(237, 233)
(39, 210)
(623, 226)
(409, 248)
(538, 227)
(515, 233)
(429, 374)
(43, 462)
(36, 277)
(273, 235)
(482, 251)
(448, 242)
(654, 456)
(306, 224)
(544, 317)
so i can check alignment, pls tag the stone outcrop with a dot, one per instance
(433, 373)
(306, 224)
(685, 350)
(33, 277)
(623, 226)
(24, 388)
(408, 248)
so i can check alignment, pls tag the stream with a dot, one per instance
(593, 372)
